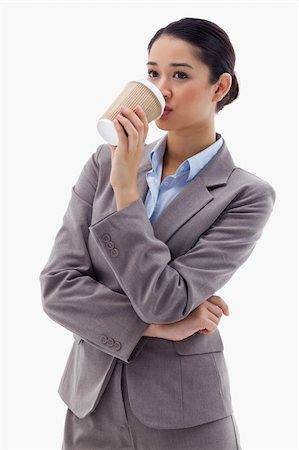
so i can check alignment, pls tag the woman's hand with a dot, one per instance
(208, 314)
(204, 319)
(132, 129)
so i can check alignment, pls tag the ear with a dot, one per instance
(222, 86)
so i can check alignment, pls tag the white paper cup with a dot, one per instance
(143, 93)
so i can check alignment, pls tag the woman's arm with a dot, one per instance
(71, 294)
(204, 319)
(177, 286)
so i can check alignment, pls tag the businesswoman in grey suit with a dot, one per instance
(151, 232)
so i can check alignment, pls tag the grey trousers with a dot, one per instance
(113, 426)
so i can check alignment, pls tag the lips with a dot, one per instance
(167, 108)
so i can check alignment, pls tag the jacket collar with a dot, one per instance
(194, 196)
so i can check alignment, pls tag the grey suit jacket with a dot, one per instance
(111, 273)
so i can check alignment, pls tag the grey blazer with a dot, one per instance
(111, 273)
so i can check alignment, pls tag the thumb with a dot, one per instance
(112, 147)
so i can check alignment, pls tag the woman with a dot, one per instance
(151, 232)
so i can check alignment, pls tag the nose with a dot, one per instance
(163, 85)
(164, 88)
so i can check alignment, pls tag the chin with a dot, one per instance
(164, 126)
(161, 127)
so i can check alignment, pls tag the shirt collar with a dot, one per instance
(192, 164)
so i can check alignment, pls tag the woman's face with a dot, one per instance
(186, 90)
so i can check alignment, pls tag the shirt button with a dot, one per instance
(110, 245)
(106, 237)
(110, 342)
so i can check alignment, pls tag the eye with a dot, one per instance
(182, 73)
(175, 73)
(151, 71)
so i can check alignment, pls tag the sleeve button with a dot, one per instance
(103, 339)
(106, 237)
(117, 345)
(110, 342)
(114, 252)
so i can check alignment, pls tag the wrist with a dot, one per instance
(151, 330)
(185, 328)
(124, 197)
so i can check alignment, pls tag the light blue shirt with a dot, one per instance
(159, 194)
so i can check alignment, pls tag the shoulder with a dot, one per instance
(252, 184)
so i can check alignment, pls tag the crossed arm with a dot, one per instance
(74, 298)
(204, 319)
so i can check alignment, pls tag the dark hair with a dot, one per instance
(212, 47)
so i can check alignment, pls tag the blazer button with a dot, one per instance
(106, 237)
(110, 342)
(117, 345)
(103, 339)
(114, 252)
(110, 245)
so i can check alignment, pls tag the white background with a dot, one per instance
(63, 63)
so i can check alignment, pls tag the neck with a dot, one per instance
(182, 144)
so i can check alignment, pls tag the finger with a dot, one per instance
(132, 133)
(133, 116)
(141, 114)
(112, 147)
(224, 306)
(217, 300)
(215, 309)
(137, 118)
(213, 318)
(209, 325)
(122, 136)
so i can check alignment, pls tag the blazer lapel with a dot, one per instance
(193, 197)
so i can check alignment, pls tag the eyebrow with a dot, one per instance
(152, 63)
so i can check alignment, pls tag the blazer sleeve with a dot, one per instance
(71, 295)
(163, 290)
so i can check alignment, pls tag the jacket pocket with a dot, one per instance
(199, 343)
